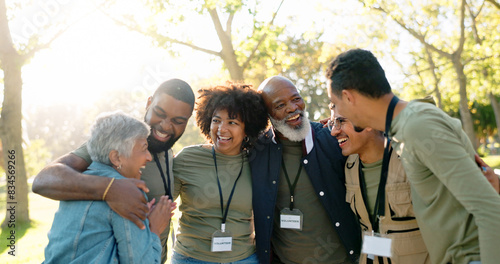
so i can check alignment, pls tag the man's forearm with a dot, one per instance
(60, 182)
(63, 180)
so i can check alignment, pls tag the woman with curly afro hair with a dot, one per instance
(214, 179)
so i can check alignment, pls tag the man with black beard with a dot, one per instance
(298, 186)
(167, 113)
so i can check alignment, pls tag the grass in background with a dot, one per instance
(493, 161)
(31, 239)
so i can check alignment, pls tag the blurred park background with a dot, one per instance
(63, 62)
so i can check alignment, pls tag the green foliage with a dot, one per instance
(427, 71)
(492, 161)
(171, 25)
(36, 156)
(300, 58)
(307, 59)
(484, 120)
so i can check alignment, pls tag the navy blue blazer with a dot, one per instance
(324, 164)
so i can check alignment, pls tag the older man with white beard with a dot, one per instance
(298, 186)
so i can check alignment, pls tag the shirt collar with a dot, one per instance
(307, 143)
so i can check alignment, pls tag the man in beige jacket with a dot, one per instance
(363, 169)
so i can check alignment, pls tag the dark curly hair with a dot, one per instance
(359, 70)
(238, 100)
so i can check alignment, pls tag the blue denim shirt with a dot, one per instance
(90, 232)
(324, 164)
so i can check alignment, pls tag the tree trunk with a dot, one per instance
(438, 95)
(432, 66)
(12, 142)
(227, 53)
(496, 111)
(235, 70)
(465, 114)
(11, 129)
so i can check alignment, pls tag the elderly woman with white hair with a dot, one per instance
(89, 231)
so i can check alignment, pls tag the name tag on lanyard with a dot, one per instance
(376, 244)
(291, 219)
(221, 241)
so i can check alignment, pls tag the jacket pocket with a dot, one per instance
(409, 248)
(399, 199)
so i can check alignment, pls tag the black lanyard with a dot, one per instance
(165, 181)
(364, 192)
(224, 214)
(379, 209)
(291, 186)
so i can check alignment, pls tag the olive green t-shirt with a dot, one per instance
(456, 208)
(318, 241)
(196, 184)
(371, 172)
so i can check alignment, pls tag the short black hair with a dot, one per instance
(178, 89)
(239, 100)
(359, 70)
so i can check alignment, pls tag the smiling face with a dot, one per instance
(167, 118)
(227, 133)
(286, 109)
(350, 141)
(131, 166)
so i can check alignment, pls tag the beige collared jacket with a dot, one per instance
(399, 222)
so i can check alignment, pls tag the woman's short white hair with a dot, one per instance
(114, 131)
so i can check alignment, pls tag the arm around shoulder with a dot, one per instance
(63, 180)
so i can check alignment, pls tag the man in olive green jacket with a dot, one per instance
(457, 210)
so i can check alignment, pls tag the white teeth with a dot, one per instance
(293, 117)
(342, 140)
(161, 134)
(225, 138)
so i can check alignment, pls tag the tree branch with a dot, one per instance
(262, 38)
(218, 27)
(474, 27)
(229, 24)
(30, 53)
(155, 35)
(460, 47)
(432, 65)
(478, 59)
(495, 3)
(6, 45)
(175, 41)
(415, 34)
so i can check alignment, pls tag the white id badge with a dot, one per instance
(376, 244)
(221, 241)
(291, 219)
